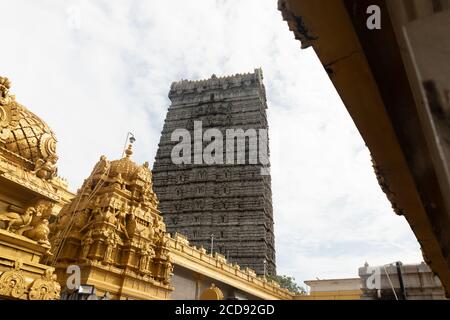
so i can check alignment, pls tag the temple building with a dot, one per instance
(113, 232)
(109, 237)
(30, 193)
(224, 205)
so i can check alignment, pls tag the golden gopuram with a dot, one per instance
(111, 232)
(114, 232)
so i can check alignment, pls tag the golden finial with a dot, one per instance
(129, 152)
(132, 139)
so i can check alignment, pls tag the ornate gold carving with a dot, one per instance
(46, 169)
(39, 228)
(12, 282)
(18, 221)
(24, 137)
(5, 119)
(86, 245)
(47, 145)
(213, 293)
(45, 288)
(32, 223)
(111, 243)
(147, 254)
(14, 173)
(114, 222)
(5, 85)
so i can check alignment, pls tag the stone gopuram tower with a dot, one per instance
(226, 206)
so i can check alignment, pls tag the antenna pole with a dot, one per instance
(212, 243)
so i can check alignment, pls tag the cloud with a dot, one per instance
(95, 70)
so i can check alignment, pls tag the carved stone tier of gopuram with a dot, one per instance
(30, 193)
(226, 207)
(113, 231)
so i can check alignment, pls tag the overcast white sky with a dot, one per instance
(95, 70)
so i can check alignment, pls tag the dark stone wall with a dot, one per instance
(231, 201)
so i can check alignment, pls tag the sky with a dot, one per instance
(95, 70)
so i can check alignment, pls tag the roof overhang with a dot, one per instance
(375, 77)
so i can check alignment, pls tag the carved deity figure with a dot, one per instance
(151, 230)
(39, 229)
(111, 243)
(12, 282)
(109, 215)
(99, 213)
(121, 216)
(86, 244)
(147, 253)
(46, 169)
(168, 271)
(46, 288)
(163, 241)
(5, 97)
(103, 166)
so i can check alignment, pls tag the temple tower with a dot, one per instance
(224, 205)
(114, 232)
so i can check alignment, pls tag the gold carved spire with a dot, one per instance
(114, 221)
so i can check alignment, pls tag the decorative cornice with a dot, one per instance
(14, 173)
(296, 25)
(216, 83)
(384, 185)
(19, 282)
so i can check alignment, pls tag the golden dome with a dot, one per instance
(128, 169)
(125, 167)
(23, 135)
